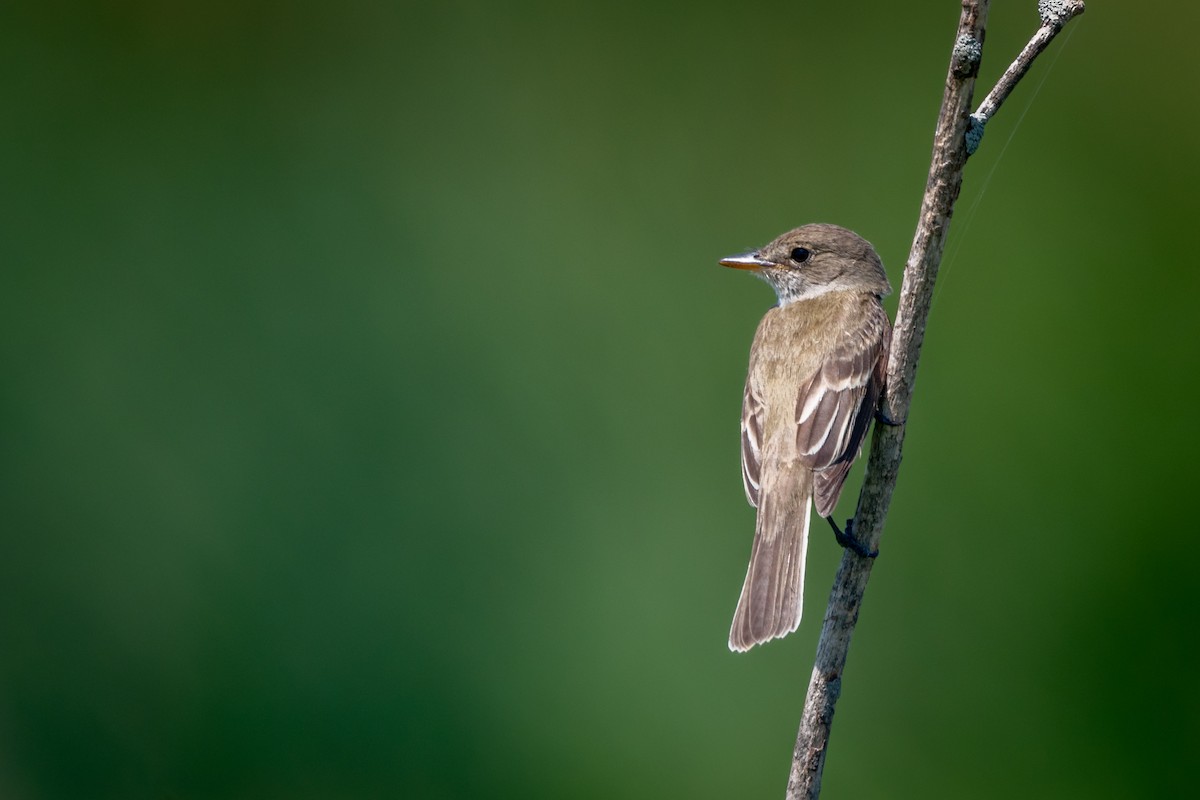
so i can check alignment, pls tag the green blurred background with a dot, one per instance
(370, 399)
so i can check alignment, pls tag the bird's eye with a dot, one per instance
(800, 255)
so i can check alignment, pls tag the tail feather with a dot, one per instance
(773, 593)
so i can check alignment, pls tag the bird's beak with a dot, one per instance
(745, 261)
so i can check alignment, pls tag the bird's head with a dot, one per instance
(813, 260)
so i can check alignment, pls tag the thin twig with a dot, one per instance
(1055, 14)
(950, 153)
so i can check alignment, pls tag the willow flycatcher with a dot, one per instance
(817, 367)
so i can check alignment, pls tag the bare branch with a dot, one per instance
(950, 153)
(1055, 14)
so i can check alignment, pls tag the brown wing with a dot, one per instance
(834, 411)
(753, 412)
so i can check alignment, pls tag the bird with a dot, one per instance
(817, 368)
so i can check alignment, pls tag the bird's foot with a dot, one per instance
(882, 416)
(848, 540)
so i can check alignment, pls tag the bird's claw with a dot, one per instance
(882, 416)
(848, 540)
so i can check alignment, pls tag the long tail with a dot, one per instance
(773, 593)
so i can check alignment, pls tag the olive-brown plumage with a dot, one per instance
(816, 372)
